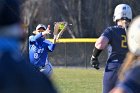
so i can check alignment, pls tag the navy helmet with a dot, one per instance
(9, 12)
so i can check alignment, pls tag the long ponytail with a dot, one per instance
(128, 62)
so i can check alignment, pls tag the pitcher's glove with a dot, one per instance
(94, 62)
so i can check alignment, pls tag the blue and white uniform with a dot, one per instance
(38, 52)
(117, 39)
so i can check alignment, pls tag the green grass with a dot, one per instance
(78, 80)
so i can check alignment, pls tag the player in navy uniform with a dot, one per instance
(116, 37)
(39, 48)
(129, 76)
(16, 74)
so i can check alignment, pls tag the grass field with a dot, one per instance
(78, 80)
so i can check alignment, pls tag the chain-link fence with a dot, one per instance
(75, 54)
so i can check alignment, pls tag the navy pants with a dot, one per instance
(110, 76)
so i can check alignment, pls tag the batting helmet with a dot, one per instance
(122, 11)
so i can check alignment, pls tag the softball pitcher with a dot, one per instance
(39, 47)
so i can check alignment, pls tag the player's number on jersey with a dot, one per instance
(124, 41)
(36, 55)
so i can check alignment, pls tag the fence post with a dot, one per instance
(85, 55)
(65, 54)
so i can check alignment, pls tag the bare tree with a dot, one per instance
(89, 17)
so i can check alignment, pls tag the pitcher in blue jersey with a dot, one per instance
(39, 48)
(129, 76)
(116, 37)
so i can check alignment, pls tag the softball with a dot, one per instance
(61, 26)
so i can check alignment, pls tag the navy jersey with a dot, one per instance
(118, 41)
(38, 50)
(131, 81)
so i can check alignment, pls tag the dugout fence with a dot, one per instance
(75, 53)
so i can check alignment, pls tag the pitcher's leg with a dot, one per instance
(47, 70)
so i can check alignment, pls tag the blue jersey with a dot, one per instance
(118, 41)
(38, 50)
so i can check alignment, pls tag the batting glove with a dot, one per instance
(94, 62)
